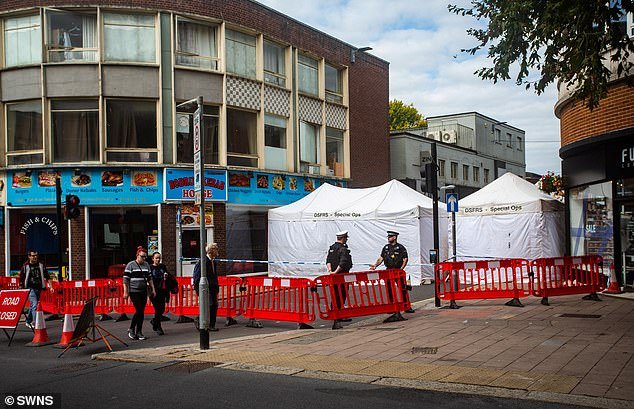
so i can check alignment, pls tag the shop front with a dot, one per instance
(120, 211)
(599, 175)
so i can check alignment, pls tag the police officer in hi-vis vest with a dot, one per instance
(394, 255)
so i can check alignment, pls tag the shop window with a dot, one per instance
(24, 133)
(454, 170)
(591, 216)
(196, 44)
(240, 53)
(309, 147)
(22, 41)
(334, 152)
(71, 36)
(129, 37)
(131, 131)
(441, 168)
(308, 75)
(185, 135)
(334, 84)
(75, 131)
(115, 233)
(242, 138)
(247, 229)
(275, 142)
(465, 172)
(274, 64)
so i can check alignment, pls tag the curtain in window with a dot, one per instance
(307, 74)
(240, 54)
(273, 59)
(242, 132)
(196, 39)
(121, 127)
(129, 37)
(22, 41)
(24, 126)
(89, 37)
(75, 136)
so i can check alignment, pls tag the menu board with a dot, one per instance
(271, 189)
(93, 186)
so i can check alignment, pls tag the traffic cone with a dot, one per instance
(67, 331)
(614, 283)
(40, 337)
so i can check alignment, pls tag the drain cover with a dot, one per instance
(580, 316)
(68, 368)
(424, 350)
(187, 367)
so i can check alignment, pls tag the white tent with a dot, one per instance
(510, 218)
(301, 232)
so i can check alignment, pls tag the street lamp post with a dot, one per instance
(453, 222)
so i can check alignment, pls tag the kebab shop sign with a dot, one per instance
(179, 185)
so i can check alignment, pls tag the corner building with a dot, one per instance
(89, 93)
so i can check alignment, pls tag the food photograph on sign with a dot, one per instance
(239, 180)
(112, 178)
(263, 182)
(21, 180)
(309, 186)
(146, 178)
(278, 182)
(47, 178)
(81, 180)
(190, 215)
(292, 183)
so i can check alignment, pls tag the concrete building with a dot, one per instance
(472, 149)
(88, 92)
(597, 152)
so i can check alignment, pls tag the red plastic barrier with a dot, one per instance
(279, 299)
(567, 275)
(186, 301)
(9, 283)
(74, 295)
(366, 293)
(52, 302)
(122, 305)
(483, 279)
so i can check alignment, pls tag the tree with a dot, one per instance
(569, 41)
(405, 116)
(552, 185)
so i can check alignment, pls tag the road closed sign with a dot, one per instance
(12, 304)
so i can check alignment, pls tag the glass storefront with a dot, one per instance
(247, 238)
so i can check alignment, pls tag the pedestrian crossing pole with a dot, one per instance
(434, 192)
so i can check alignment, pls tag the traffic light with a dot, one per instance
(426, 170)
(71, 211)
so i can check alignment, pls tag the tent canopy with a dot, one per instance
(508, 194)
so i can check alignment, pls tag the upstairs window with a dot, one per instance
(185, 135)
(240, 53)
(196, 44)
(441, 168)
(24, 133)
(309, 147)
(334, 85)
(334, 152)
(519, 143)
(242, 141)
(22, 41)
(75, 131)
(509, 140)
(71, 36)
(274, 65)
(454, 170)
(308, 78)
(275, 142)
(131, 131)
(486, 176)
(476, 174)
(129, 37)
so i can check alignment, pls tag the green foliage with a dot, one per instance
(564, 40)
(405, 116)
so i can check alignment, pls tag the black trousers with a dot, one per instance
(159, 306)
(213, 306)
(341, 294)
(139, 300)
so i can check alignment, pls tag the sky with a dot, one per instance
(422, 41)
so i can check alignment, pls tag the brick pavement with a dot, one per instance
(534, 352)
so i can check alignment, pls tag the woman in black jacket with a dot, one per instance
(159, 274)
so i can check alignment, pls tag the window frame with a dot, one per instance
(107, 149)
(340, 138)
(454, 170)
(190, 115)
(104, 44)
(333, 96)
(285, 139)
(252, 156)
(509, 140)
(301, 64)
(519, 143)
(51, 111)
(247, 73)
(304, 163)
(465, 172)
(4, 39)
(441, 167)
(214, 60)
(48, 46)
(279, 77)
(476, 174)
(23, 152)
(486, 175)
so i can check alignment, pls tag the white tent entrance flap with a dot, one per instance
(510, 218)
(301, 232)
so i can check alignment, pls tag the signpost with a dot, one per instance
(12, 304)
(452, 206)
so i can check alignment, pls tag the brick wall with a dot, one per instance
(78, 247)
(168, 236)
(615, 112)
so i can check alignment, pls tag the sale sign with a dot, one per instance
(12, 304)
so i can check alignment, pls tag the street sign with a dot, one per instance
(197, 131)
(452, 202)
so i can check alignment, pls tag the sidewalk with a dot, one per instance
(574, 351)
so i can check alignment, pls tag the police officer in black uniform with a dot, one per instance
(339, 261)
(394, 255)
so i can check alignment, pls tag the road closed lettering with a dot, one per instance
(12, 304)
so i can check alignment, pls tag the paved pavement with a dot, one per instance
(573, 351)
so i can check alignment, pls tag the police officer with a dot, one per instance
(339, 261)
(394, 255)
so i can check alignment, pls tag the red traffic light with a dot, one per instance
(71, 210)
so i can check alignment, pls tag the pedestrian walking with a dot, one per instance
(339, 261)
(137, 285)
(160, 277)
(211, 271)
(394, 256)
(33, 277)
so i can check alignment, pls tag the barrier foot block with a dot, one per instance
(253, 323)
(545, 301)
(337, 325)
(105, 317)
(301, 325)
(395, 318)
(165, 318)
(515, 302)
(592, 297)
(52, 317)
(230, 321)
(182, 319)
(122, 317)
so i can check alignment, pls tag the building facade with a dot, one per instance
(472, 151)
(89, 93)
(597, 152)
